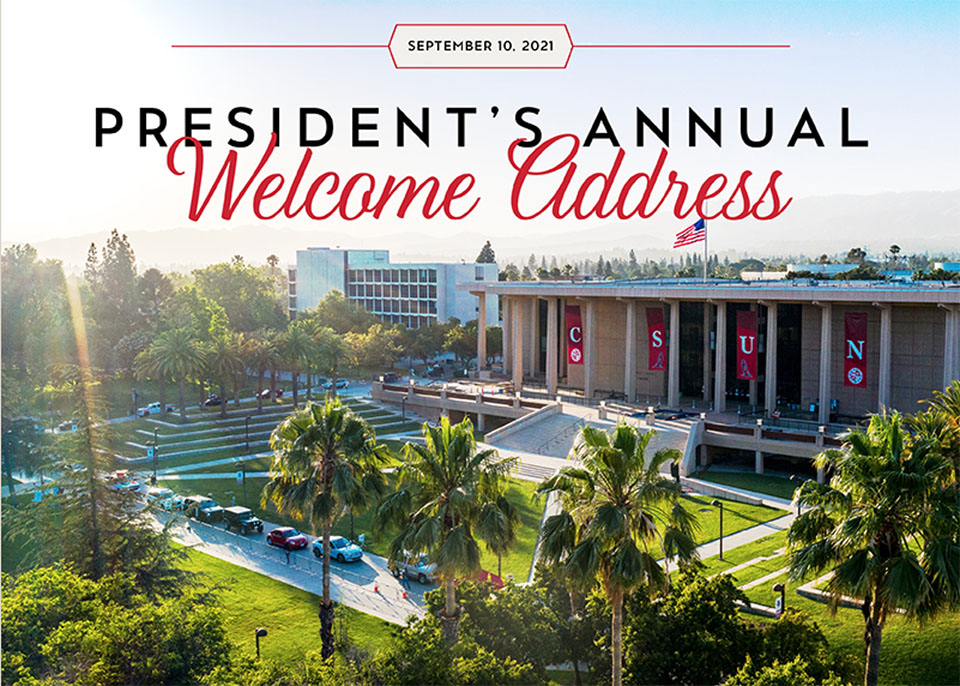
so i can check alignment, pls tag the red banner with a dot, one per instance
(746, 345)
(656, 339)
(855, 349)
(574, 335)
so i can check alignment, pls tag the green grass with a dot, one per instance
(760, 483)
(250, 600)
(520, 493)
(736, 516)
(762, 547)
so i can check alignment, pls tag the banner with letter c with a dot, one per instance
(746, 345)
(574, 335)
(656, 339)
(855, 349)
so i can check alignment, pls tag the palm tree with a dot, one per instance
(498, 529)
(446, 498)
(331, 351)
(296, 345)
(617, 512)
(177, 354)
(941, 424)
(261, 356)
(223, 359)
(326, 459)
(145, 367)
(887, 525)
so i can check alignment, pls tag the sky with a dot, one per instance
(893, 64)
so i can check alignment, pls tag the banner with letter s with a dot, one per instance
(574, 335)
(656, 339)
(746, 345)
(855, 349)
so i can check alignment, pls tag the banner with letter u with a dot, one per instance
(855, 349)
(656, 340)
(746, 345)
(574, 335)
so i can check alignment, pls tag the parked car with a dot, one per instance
(340, 383)
(418, 567)
(287, 537)
(212, 401)
(154, 408)
(123, 480)
(241, 519)
(164, 498)
(202, 508)
(66, 427)
(390, 377)
(341, 549)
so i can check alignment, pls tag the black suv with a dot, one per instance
(203, 508)
(242, 519)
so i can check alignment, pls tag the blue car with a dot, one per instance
(341, 549)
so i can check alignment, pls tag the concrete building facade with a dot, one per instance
(413, 294)
(913, 343)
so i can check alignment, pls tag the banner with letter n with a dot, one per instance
(656, 338)
(574, 335)
(855, 349)
(746, 345)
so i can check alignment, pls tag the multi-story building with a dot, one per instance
(411, 293)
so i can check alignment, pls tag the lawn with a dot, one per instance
(520, 493)
(760, 483)
(250, 600)
(736, 516)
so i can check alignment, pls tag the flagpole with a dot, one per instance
(705, 243)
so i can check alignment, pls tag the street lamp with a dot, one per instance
(717, 503)
(403, 408)
(246, 431)
(801, 481)
(782, 600)
(156, 457)
(258, 633)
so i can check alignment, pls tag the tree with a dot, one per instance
(24, 448)
(261, 357)
(461, 340)
(59, 627)
(155, 288)
(326, 458)
(296, 347)
(176, 354)
(223, 359)
(856, 256)
(332, 352)
(447, 488)
(887, 525)
(486, 256)
(494, 341)
(613, 508)
(894, 254)
(246, 295)
(340, 314)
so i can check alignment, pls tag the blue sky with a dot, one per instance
(893, 64)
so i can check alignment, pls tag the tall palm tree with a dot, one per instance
(223, 359)
(296, 345)
(941, 423)
(177, 354)
(325, 459)
(446, 498)
(145, 366)
(887, 525)
(617, 513)
(498, 529)
(261, 356)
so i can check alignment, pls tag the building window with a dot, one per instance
(433, 276)
(479, 273)
(377, 276)
(291, 275)
(432, 292)
(293, 288)
(293, 303)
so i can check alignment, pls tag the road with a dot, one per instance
(366, 585)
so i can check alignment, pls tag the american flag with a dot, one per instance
(692, 234)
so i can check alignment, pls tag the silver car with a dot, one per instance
(417, 566)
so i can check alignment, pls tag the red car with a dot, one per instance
(287, 537)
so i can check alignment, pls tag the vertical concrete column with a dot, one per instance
(770, 372)
(507, 335)
(951, 345)
(630, 354)
(720, 375)
(883, 378)
(482, 331)
(552, 366)
(517, 311)
(673, 362)
(758, 462)
(589, 350)
(826, 359)
(707, 357)
(752, 385)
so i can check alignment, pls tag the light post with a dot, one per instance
(717, 503)
(243, 468)
(403, 408)
(782, 600)
(260, 631)
(800, 480)
(156, 458)
(246, 431)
